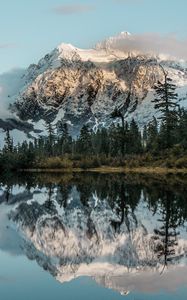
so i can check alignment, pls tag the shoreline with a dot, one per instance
(106, 169)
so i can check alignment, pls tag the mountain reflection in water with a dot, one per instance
(126, 232)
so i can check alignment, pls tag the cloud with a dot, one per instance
(129, 1)
(10, 83)
(70, 9)
(153, 43)
(6, 46)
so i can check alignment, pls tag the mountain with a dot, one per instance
(84, 86)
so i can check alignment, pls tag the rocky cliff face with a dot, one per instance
(84, 86)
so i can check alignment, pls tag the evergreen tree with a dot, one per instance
(8, 147)
(135, 138)
(181, 133)
(41, 147)
(166, 235)
(152, 135)
(51, 138)
(115, 140)
(84, 141)
(166, 103)
(121, 131)
(104, 141)
(64, 138)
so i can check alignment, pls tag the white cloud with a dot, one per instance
(153, 43)
(10, 84)
(73, 9)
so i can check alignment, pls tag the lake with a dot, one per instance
(93, 236)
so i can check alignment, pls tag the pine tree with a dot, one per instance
(135, 138)
(84, 141)
(104, 141)
(41, 147)
(8, 147)
(181, 133)
(152, 135)
(64, 138)
(115, 144)
(166, 103)
(166, 235)
(121, 131)
(51, 138)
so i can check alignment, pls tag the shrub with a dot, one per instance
(87, 163)
(56, 163)
(181, 162)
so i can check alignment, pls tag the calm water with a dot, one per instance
(93, 236)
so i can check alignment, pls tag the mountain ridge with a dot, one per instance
(85, 85)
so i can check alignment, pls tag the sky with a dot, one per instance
(29, 29)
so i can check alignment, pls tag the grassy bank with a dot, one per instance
(131, 164)
(145, 163)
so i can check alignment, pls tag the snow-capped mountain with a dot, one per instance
(84, 86)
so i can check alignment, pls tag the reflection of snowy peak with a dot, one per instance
(123, 231)
(72, 239)
(85, 85)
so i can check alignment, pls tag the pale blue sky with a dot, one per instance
(31, 28)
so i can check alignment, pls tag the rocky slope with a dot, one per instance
(84, 86)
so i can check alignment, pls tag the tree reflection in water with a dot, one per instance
(98, 225)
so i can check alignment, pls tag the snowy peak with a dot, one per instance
(68, 51)
(102, 52)
(82, 86)
(111, 42)
(64, 47)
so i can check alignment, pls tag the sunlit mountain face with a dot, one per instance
(128, 233)
(79, 86)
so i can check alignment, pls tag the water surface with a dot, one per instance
(93, 236)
